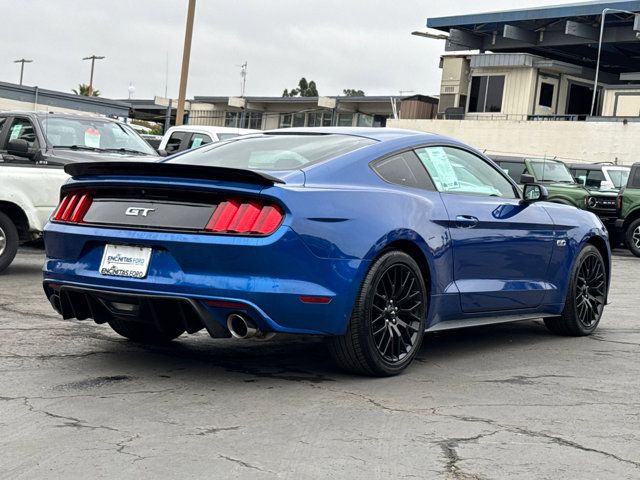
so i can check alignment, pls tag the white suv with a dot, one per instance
(185, 137)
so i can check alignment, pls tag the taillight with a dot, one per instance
(73, 207)
(245, 216)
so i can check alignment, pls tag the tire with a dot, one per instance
(382, 337)
(586, 296)
(145, 332)
(632, 236)
(8, 241)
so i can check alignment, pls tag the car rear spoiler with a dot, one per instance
(164, 169)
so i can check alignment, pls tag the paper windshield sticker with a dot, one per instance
(196, 142)
(446, 175)
(92, 137)
(15, 131)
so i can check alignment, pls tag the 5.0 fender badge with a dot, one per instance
(561, 243)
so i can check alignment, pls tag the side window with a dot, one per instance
(460, 172)
(513, 169)
(404, 169)
(580, 175)
(634, 179)
(199, 139)
(22, 129)
(595, 178)
(173, 144)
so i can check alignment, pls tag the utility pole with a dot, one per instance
(93, 59)
(186, 54)
(243, 74)
(22, 61)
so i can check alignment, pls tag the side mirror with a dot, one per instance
(526, 178)
(534, 192)
(19, 148)
(162, 152)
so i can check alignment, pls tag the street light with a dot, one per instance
(93, 59)
(435, 36)
(595, 82)
(22, 61)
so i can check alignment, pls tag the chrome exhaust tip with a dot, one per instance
(242, 327)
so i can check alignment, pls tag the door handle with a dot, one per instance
(466, 221)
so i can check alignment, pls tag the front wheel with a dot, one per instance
(632, 237)
(8, 241)
(586, 296)
(387, 323)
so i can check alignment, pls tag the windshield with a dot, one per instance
(273, 152)
(93, 134)
(618, 176)
(551, 171)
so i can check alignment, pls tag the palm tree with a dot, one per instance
(83, 89)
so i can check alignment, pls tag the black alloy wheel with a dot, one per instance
(586, 296)
(387, 324)
(590, 290)
(396, 311)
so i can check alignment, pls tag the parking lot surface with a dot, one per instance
(77, 401)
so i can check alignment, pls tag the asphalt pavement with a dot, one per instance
(508, 401)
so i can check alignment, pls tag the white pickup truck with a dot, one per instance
(28, 195)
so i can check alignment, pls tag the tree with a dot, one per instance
(305, 89)
(350, 92)
(83, 89)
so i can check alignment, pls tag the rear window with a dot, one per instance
(273, 152)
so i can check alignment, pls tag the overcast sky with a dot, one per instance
(360, 44)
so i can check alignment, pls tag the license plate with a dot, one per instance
(125, 261)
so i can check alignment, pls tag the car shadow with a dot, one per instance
(303, 358)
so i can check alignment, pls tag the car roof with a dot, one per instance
(211, 129)
(373, 133)
(596, 166)
(506, 158)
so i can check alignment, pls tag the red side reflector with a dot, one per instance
(54, 286)
(309, 299)
(225, 304)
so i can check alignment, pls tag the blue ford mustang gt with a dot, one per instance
(370, 237)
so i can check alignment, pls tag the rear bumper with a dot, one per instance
(267, 276)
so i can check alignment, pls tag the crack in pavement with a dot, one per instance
(598, 338)
(68, 422)
(449, 449)
(90, 395)
(243, 463)
(213, 430)
(122, 444)
(525, 379)
(54, 356)
(534, 434)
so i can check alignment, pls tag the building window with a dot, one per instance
(288, 120)
(486, 94)
(231, 119)
(249, 120)
(365, 120)
(319, 119)
(546, 94)
(345, 119)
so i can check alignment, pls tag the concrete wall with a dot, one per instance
(572, 141)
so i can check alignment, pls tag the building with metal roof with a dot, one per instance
(543, 62)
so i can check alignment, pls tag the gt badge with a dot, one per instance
(138, 211)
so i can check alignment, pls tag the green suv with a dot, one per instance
(628, 223)
(561, 185)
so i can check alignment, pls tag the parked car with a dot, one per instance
(562, 186)
(186, 137)
(153, 140)
(370, 237)
(58, 139)
(28, 195)
(628, 223)
(600, 176)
